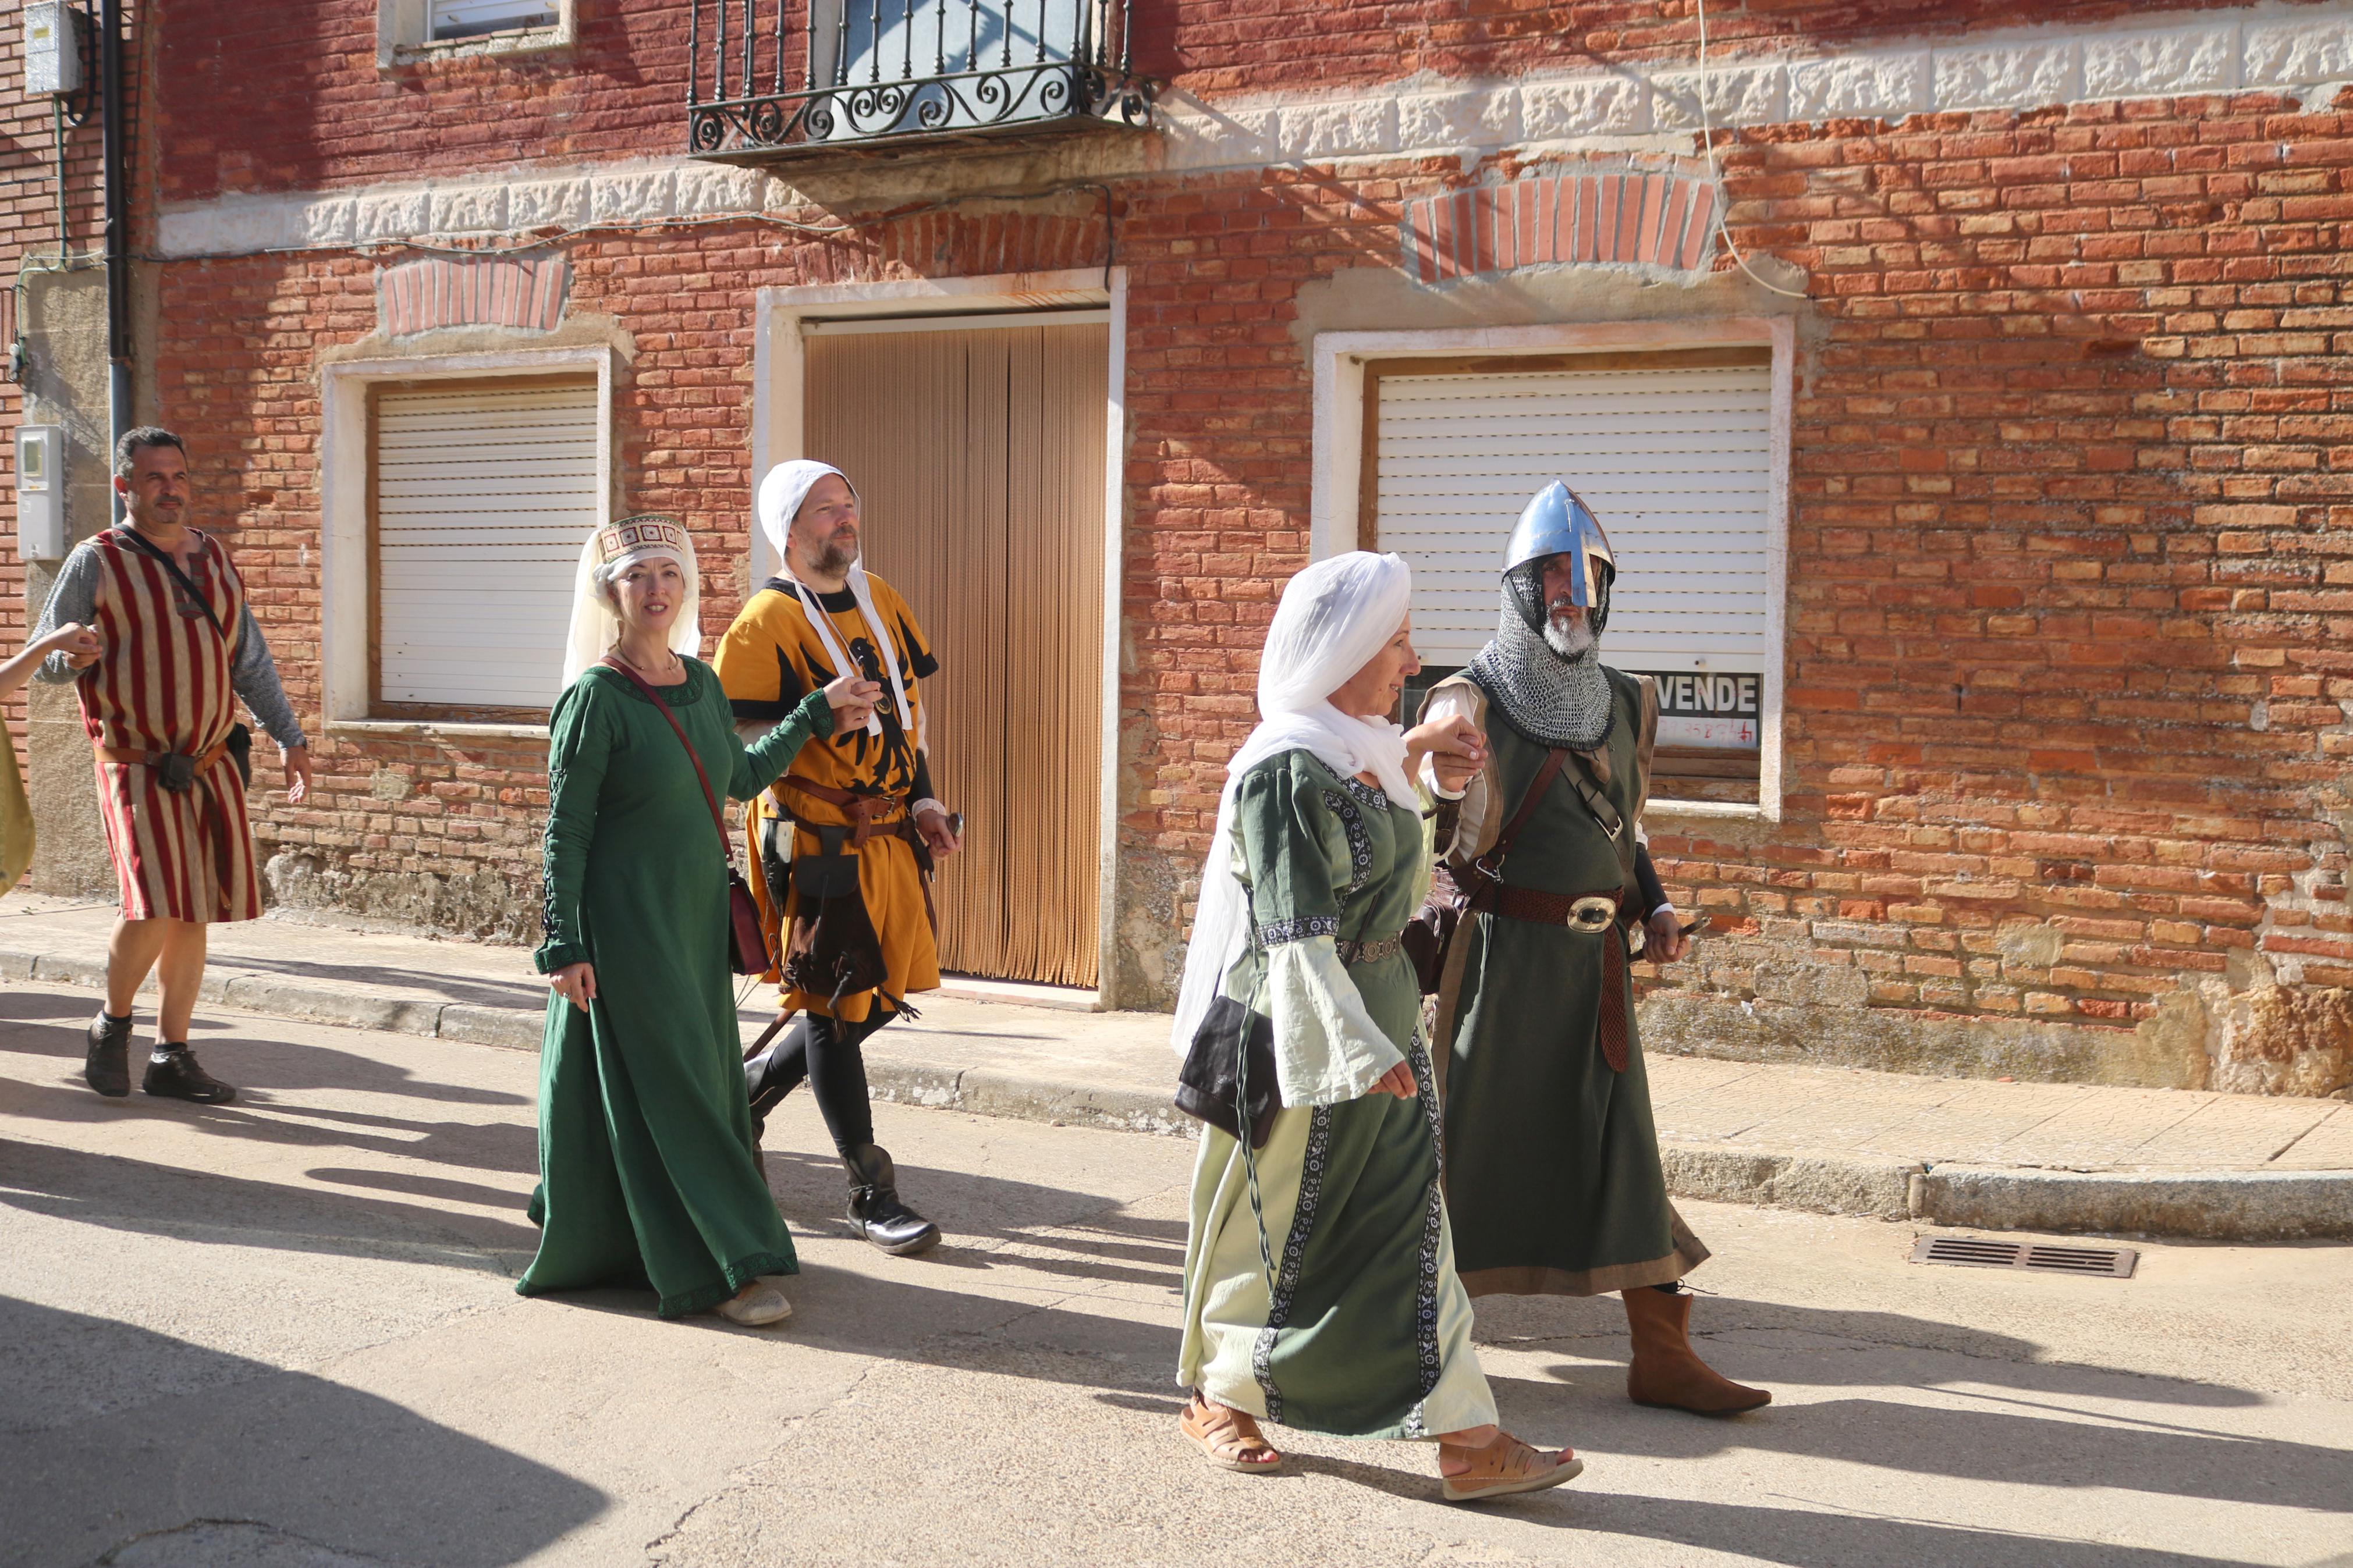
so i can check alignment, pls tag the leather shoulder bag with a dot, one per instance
(747, 944)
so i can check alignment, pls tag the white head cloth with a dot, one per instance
(595, 624)
(1334, 617)
(787, 485)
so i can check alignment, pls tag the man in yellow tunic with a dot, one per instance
(855, 814)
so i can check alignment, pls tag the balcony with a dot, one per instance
(776, 79)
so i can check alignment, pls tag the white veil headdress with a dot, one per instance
(784, 489)
(1333, 619)
(595, 624)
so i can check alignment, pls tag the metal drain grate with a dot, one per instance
(1977, 1252)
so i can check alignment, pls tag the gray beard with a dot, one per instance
(832, 560)
(1550, 685)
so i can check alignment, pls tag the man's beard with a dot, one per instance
(1572, 642)
(834, 559)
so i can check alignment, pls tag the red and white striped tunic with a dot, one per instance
(162, 684)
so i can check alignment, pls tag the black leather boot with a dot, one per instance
(875, 1209)
(107, 1067)
(173, 1072)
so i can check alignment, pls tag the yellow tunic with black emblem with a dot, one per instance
(769, 660)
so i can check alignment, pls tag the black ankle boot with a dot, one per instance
(107, 1067)
(173, 1072)
(874, 1206)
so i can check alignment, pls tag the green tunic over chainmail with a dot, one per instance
(648, 1174)
(1552, 1159)
(1366, 1332)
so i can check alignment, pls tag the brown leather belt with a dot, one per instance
(152, 759)
(1596, 913)
(1547, 908)
(870, 815)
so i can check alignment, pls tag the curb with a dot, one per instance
(2235, 1206)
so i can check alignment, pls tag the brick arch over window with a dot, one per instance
(1595, 213)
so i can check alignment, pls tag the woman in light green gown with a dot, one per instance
(1319, 1289)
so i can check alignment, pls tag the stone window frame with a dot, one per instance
(779, 378)
(400, 37)
(347, 697)
(1339, 361)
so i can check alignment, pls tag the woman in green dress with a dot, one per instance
(648, 1175)
(1319, 1276)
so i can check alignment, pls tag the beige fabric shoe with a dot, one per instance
(756, 1306)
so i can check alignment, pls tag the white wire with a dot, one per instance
(1707, 146)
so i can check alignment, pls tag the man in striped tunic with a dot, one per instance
(178, 647)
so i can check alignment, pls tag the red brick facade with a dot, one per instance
(2068, 709)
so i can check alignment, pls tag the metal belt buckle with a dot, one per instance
(1593, 913)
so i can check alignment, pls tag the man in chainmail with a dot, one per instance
(1552, 1169)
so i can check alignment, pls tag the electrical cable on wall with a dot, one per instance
(1707, 147)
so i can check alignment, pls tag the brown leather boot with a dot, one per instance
(1666, 1371)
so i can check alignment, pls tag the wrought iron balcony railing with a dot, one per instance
(774, 78)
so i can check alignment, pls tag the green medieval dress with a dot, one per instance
(1552, 1160)
(647, 1172)
(1364, 1331)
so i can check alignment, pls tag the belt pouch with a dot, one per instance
(831, 950)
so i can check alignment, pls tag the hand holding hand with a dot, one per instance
(576, 983)
(77, 642)
(852, 698)
(1663, 938)
(297, 774)
(1455, 748)
(1398, 1080)
(938, 837)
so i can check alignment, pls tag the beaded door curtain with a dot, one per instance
(979, 455)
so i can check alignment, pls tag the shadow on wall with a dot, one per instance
(227, 1453)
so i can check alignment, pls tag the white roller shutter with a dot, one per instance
(483, 496)
(1675, 460)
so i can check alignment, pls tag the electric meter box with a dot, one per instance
(41, 492)
(52, 49)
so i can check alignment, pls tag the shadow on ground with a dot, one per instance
(283, 1451)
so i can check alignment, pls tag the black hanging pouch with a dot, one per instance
(1232, 1058)
(830, 948)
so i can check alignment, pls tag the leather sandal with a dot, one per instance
(1230, 1438)
(1507, 1465)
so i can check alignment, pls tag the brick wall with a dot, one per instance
(290, 97)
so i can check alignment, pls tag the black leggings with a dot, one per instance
(825, 1051)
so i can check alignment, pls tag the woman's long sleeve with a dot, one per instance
(1327, 1049)
(761, 763)
(579, 748)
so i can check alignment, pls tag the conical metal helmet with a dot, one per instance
(1556, 521)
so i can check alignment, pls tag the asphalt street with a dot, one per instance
(282, 1334)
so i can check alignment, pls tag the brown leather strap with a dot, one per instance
(870, 815)
(1530, 904)
(151, 758)
(1490, 866)
(718, 819)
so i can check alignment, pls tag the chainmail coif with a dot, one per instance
(1558, 701)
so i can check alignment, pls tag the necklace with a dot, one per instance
(673, 667)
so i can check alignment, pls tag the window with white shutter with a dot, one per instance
(481, 495)
(1674, 453)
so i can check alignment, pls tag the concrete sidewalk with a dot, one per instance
(1963, 1151)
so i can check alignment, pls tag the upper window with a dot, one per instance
(411, 31)
(1672, 451)
(481, 492)
(448, 19)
